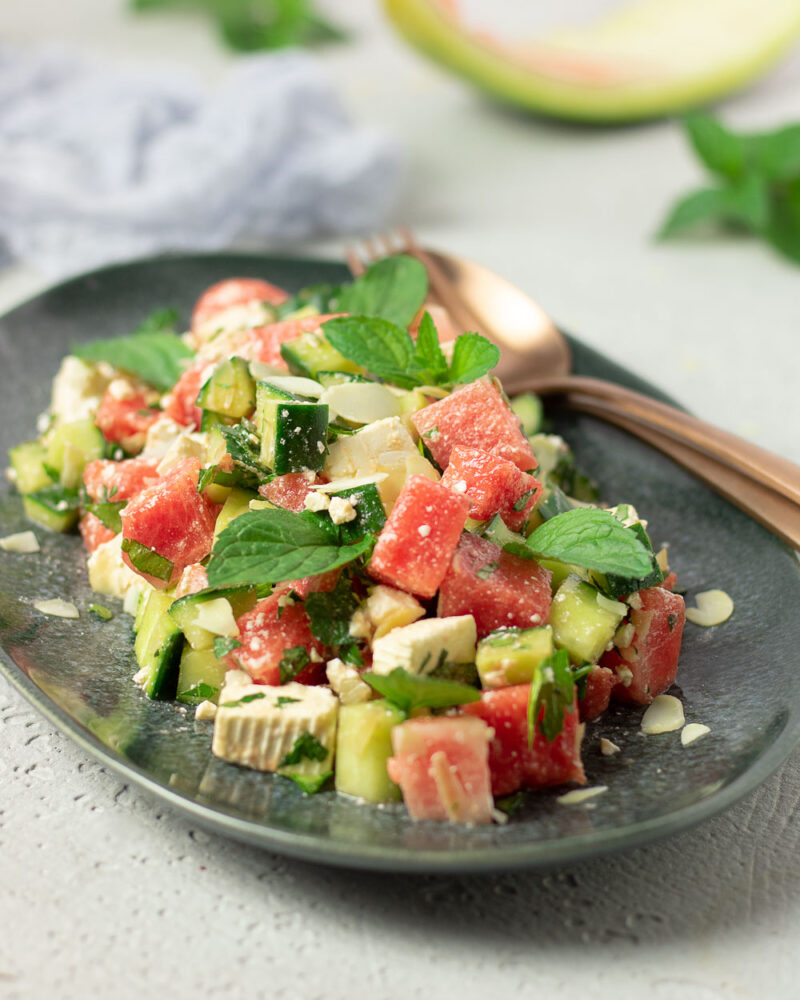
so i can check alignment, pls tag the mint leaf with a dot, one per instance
(306, 747)
(197, 693)
(147, 560)
(323, 298)
(224, 644)
(154, 352)
(106, 614)
(722, 152)
(329, 612)
(429, 353)
(745, 203)
(242, 443)
(473, 356)
(271, 545)
(392, 289)
(244, 700)
(552, 689)
(108, 512)
(776, 155)
(283, 700)
(309, 783)
(409, 691)
(293, 661)
(594, 539)
(378, 345)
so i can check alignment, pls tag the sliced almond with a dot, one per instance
(694, 731)
(579, 795)
(665, 715)
(713, 608)
(23, 542)
(608, 747)
(57, 608)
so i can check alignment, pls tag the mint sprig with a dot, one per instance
(388, 351)
(392, 289)
(409, 691)
(594, 539)
(756, 184)
(154, 352)
(272, 545)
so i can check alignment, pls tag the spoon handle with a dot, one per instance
(773, 510)
(685, 430)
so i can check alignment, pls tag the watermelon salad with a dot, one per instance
(343, 544)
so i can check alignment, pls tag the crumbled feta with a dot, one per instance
(360, 626)
(205, 710)
(57, 608)
(342, 510)
(424, 530)
(23, 542)
(160, 436)
(694, 731)
(608, 747)
(188, 444)
(108, 574)
(316, 501)
(216, 616)
(579, 795)
(346, 682)
(460, 486)
(664, 715)
(713, 608)
(78, 388)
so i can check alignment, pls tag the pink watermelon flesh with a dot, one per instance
(497, 588)
(441, 765)
(492, 485)
(266, 633)
(475, 416)
(172, 519)
(234, 292)
(417, 542)
(652, 656)
(513, 764)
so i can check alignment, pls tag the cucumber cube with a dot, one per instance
(293, 432)
(200, 676)
(583, 621)
(230, 390)
(363, 745)
(27, 463)
(513, 655)
(311, 353)
(70, 447)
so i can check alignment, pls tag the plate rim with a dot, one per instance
(365, 856)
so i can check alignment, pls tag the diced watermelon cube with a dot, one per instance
(115, 481)
(417, 542)
(475, 416)
(497, 588)
(492, 484)
(172, 519)
(267, 633)
(234, 292)
(652, 656)
(126, 420)
(181, 405)
(317, 584)
(514, 764)
(599, 685)
(289, 491)
(263, 343)
(441, 765)
(93, 532)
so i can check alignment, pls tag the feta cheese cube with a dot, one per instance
(424, 645)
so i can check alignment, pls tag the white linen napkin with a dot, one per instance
(101, 164)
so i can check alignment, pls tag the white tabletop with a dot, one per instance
(108, 893)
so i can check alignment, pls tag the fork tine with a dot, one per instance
(354, 262)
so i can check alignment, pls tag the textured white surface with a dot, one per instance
(107, 893)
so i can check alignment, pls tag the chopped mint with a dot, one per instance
(306, 747)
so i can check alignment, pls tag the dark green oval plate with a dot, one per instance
(738, 678)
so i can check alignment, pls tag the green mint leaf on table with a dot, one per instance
(392, 289)
(293, 661)
(272, 545)
(594, 539)
(244, 700)
(473, 356)
(551, 696)
(757, 184)
(154, 352)
(147, 560)
(306, 747)
(409, 691)
(224, 644)
(330, 612)
(253, 25)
